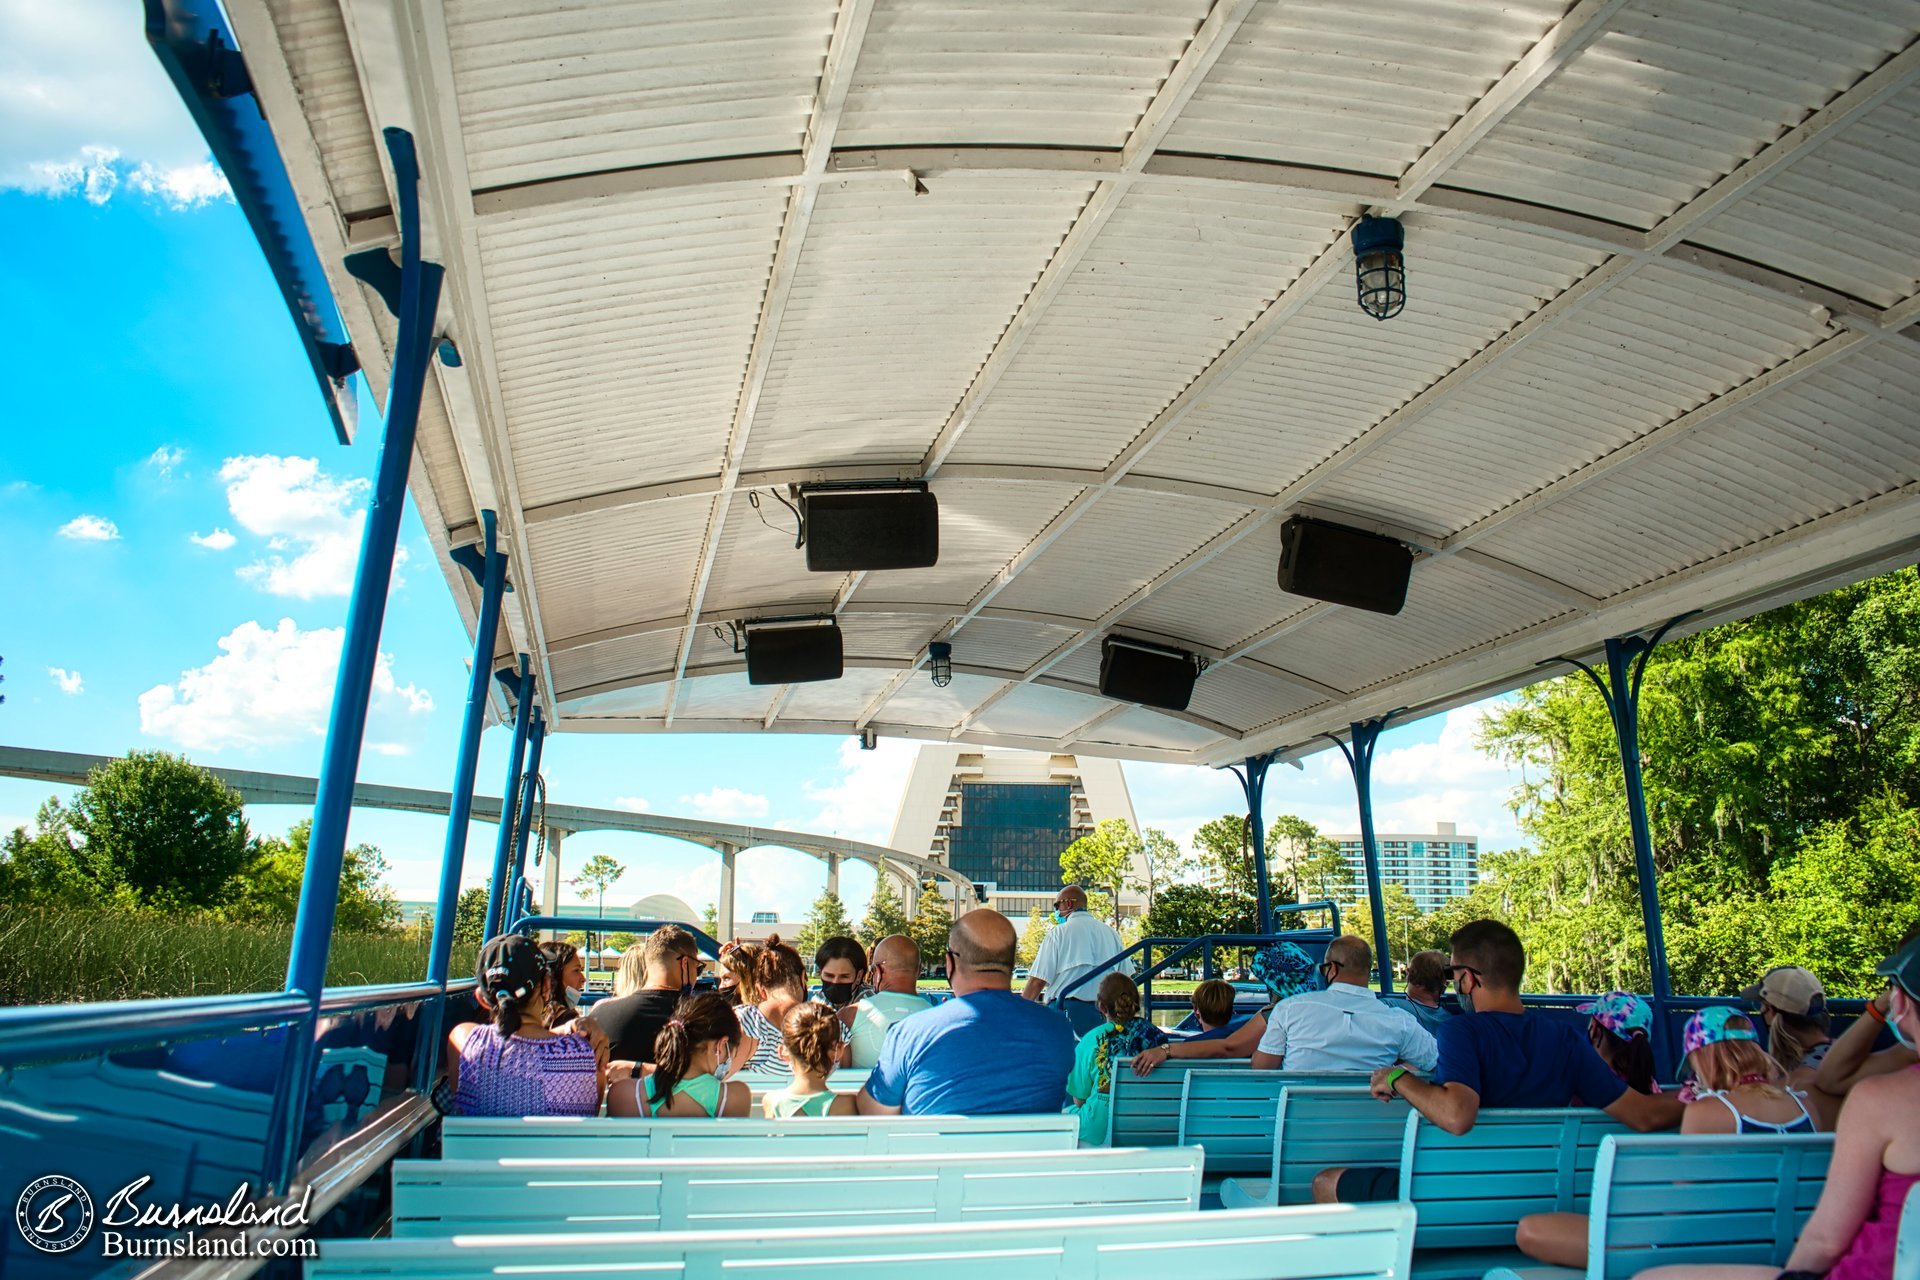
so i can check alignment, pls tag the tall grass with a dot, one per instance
(55, 956)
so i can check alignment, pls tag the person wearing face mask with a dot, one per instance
(1499, 1055)
(1078, 943)
(1853, 1231)
(566, 978)
(633, 1022)
(895, 996)
(691, 1057)
(842, 966)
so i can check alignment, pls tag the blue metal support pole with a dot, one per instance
(498, 904)
(1627, 658)
(523, 823)
(1365, 735)
(1252, 773)
(489, 564)
(353, 687)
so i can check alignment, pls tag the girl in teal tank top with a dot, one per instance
(812, 1046)
(691, 1055)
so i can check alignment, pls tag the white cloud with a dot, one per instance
(218, 540)
(1453, 759)
(727, 804)
(90, 529)
(300, 509)
(390, 748)
(632, 804)
(69, 681)
(85, 108)
(265, 687)
(862, 802)
(165, 459)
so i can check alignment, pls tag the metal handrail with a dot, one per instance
(1185, 947)
(613, 924)
(376, 996)
(52, 1031)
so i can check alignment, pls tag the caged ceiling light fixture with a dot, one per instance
(1380, 266)
(940, 663)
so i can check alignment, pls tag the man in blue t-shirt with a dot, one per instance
(984, 1052)
(1498, 1055)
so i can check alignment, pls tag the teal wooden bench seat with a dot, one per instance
(607, 1138)
(1231, 1113)
(1316, 1127)
(1341, 1242)
(1906, 1252)
(448, 1197)
(1146, 1112)
(1662, 1198)
(1472, 1190)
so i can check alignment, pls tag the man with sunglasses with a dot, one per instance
(632, 1021)
(1343, 1026)
(1078, 943)
(1498, 1056)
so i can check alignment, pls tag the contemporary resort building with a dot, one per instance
(1434, 867)
(1002, 818)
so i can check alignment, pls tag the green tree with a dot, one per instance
(710, 921)
(596, 874)
(827, 919)
(470, 915)
(1190, 910)
(1103, 860)
(621, 941)
(931, 924)
(1032, 936)
(1224, 856)
(163, 827)
(268, 888)
(1408, 929)
(885, 916)
(44, 866)
(1305, 865)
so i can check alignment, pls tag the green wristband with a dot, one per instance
(1393, 1079)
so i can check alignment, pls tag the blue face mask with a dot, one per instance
(1900, 1037)
(1058, 918)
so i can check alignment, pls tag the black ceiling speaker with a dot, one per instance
(851, 529)
(1344, 566)
(1152, 675)
(793, 652)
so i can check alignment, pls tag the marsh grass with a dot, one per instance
(53, 956)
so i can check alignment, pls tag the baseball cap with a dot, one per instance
(1903, 967)
(1709, 1026)
(1622, 1013)
(1285, 969)
(1790, 989)
(509, 965)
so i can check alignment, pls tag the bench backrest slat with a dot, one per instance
(1145, 1111)
(1347, 1242)
(559, 1137)
(1472, 1189)
(1319, 1126)
(1230, 1112)
(445, 1197)
(1906, 1252)
(1660, 1198)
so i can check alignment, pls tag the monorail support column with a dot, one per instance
(833, 874)
(488, 565)
(419, 301)
(1627, 658)
(1252, 773)
(723, 906)
(550, 877)
(523, 824)
(521, 682)
(1364, 735)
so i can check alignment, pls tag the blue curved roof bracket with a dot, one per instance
(196, 47)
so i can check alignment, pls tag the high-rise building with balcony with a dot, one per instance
(1434, 867)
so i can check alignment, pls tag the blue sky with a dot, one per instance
(179, 528)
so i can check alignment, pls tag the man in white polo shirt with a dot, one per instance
(1345, 1027)
(1077, 944)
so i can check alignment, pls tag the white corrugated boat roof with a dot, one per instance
(1084, 267)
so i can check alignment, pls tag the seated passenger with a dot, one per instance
(690, 1060)
(1123, 1034)
(1738, 1089)
(515, 1066)
(1285, 969)
(895, 975)
(1344, 1026)
(1213, 1010)
(811, 1040)
(1498, 1055)
(566, 977)
(632, 1022)
(1793, 1009)
(630, 974)
(1618, 1026)
(984, 1052)
(737, 959)
(842, 966)
(1876, 1161)
(781, 982)
(1426, 983)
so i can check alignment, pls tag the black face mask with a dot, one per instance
(730, 994)
(836, 993)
